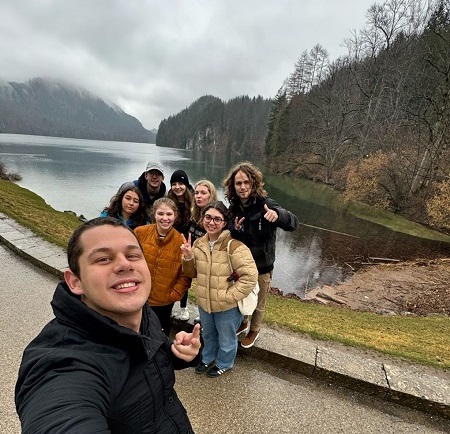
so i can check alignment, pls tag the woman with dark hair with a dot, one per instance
(219, 287)
(182, 193)
(128, 206)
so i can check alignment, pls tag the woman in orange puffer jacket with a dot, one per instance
(161, 245)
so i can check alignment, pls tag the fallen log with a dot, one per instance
(372, 258)
(331, 298)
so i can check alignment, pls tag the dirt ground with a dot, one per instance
(419, 287)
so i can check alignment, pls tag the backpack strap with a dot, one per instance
(230, 250)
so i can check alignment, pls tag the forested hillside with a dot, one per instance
(375, 123)
(237, 126)
(50, 108)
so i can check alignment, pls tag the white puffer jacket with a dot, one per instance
(214, 293)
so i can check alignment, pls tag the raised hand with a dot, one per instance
(186, 248)
(187, 345)
(270, 215)
(238, 223)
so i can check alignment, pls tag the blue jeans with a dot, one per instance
(219, 336)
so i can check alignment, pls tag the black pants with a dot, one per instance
(163, 314)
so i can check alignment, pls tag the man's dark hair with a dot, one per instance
(219, 206)
(74, 247)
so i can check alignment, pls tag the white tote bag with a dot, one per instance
(248, 304)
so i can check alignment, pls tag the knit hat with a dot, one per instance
(179, 176)
(154, 166)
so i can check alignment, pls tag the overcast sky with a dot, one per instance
(154, 58)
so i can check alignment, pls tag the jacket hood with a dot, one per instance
(142, 184)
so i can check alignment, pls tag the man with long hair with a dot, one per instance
(254, 221)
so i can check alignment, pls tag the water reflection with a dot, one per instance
(82, 175)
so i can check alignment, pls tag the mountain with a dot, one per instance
(237, 126)
(53, 108)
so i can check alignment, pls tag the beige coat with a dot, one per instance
(214, 292)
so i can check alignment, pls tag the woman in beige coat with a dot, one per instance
(218, 289)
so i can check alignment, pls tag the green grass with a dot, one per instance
(30, 210)
(423, 340)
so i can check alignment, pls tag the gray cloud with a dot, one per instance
(154, 58)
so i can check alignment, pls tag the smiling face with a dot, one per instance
(130, 202)
(214, 223)
(114, 279)
(154, 179)
(165, 218)
(178, 188)
(202, 196)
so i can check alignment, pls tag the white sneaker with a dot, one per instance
(184, 314)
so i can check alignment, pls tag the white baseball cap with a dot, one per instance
(154, 166)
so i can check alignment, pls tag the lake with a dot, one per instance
(82, 175)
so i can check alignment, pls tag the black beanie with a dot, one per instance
(179, 176)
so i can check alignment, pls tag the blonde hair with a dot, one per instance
(196, 211)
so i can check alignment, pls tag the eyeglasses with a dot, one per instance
(209, 218)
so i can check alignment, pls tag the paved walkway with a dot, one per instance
(375, 374)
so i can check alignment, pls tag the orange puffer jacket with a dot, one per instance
(163, 257)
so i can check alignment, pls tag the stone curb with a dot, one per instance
(410, 387)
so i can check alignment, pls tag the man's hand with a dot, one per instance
(186, 248)
(270, 215)
(238, 223)
(187, 345)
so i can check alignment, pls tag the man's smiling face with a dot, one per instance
(114, 279)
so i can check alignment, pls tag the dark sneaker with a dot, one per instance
(250, 339)
(202, 367)
(215, 371)
(243, 328)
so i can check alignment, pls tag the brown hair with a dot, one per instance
(166, 201)
(183, 219)
(254, 175)
(140, 217)
(219, 206)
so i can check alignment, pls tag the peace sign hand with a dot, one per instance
(186, 248)
(270, 215)
(238, 223)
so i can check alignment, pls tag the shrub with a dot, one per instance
(439, 205)
(365, 179)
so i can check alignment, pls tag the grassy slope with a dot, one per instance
(422, 340)
(30, 210)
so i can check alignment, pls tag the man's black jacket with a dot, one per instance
(84, 373)
(258, 234)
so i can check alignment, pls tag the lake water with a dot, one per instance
(82, 176)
